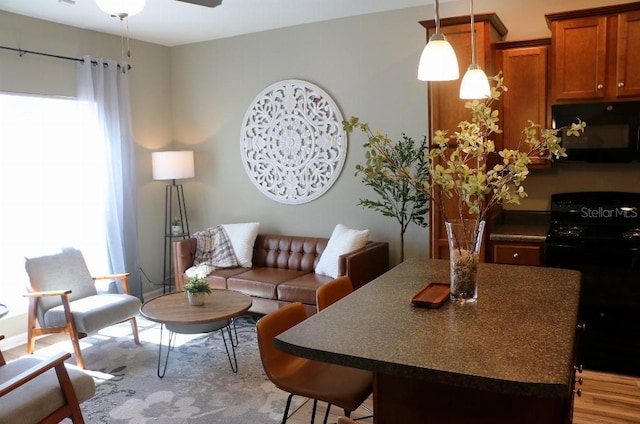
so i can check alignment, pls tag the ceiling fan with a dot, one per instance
(206, 3)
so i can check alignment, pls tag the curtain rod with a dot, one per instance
(22, 52)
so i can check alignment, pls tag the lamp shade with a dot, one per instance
(121, 7)
(438, 61)
(475, 84)
(172, 165)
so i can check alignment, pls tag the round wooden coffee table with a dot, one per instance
(173, 311)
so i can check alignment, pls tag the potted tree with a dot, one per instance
(459, 166)
(397, 199)
(195, 289)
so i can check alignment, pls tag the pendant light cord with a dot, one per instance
(125, 50)
(437, 17)
(473, 36)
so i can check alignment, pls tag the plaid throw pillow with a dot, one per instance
(214, 248)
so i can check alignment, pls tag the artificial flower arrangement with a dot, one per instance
(458, 165)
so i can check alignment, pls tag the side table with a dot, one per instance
(173, 311)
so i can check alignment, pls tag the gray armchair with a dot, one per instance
(42, 391)
(63, 299)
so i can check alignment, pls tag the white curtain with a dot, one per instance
(103, 85)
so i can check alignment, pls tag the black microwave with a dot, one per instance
(612, 133)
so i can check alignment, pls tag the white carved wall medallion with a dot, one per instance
(292, 143)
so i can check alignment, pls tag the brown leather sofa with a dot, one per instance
(283, 269)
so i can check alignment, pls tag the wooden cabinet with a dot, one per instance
(446, 109)
(516, 253)
(628, 55)
(595, 54)
(524, 69)
(579, 58)
(406, 400)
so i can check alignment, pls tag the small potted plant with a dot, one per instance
(196, 288)
(176, 226)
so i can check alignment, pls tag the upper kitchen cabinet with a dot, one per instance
(595, 53)
(524, 71)
(446, 109)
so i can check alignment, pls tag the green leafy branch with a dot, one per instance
(457, 165)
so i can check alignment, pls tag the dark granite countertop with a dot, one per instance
(524, 226)
(518, 338)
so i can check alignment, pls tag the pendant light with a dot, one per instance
(475, 84)
(121, 8)
(438, 61)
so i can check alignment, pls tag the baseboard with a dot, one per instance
(13, 341)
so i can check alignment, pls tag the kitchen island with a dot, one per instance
(508, 358)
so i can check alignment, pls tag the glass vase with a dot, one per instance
(465, 240)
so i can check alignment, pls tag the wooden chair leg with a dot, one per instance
(134, 330)
(75, 342)
(31, 325)
(31, 341)
(71, 329)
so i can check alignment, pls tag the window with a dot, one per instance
(51, 187)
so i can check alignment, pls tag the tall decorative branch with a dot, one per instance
(457, 165)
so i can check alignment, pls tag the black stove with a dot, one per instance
(598, 233)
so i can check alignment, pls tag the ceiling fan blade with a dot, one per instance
(206, 3)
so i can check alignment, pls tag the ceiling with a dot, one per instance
(172, 23)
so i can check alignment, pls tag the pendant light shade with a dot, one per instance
(475, 84)
(438, 61)
(121, 8)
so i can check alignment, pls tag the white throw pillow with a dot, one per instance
(199, 271)
(243, 237)
(343, 240)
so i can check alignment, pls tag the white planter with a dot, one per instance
(176, 230)
(196, 299)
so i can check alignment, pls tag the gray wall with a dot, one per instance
(195, 96)
(367, 64)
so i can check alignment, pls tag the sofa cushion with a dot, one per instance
(288, 252)
(261, 282)
(343, 240)
(94, 313)
(218, 278)
(243, 237)
(302, 289)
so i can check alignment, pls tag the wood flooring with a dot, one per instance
(606, 398)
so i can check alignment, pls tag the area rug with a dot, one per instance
(198, 387)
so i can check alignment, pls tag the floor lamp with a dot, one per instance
(173, 165)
